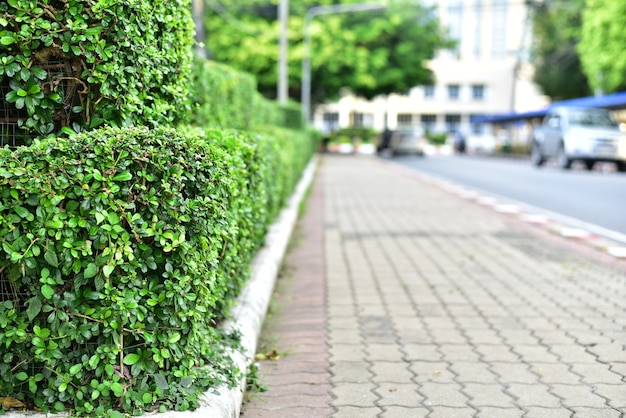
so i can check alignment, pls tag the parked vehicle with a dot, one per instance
(409, 141)
(570, 134)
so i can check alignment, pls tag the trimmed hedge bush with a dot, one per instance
(81, 64)
(123, 250)
(223, 97)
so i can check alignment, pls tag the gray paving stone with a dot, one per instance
(356, 412)
(578, 395)
(528, 395)
(431, 371)
(490, 412)
(421, 352)
(384, 353)
(496, 353)
(402, 412)
(451, 412)
(458, 352)
(347, 352)
(385, 371)
(597, 373)
(476, 372)
(443, 394)
(488, 395)
(556, 373)
(351, 371)
(596, 413)
(359, 395)
(404, 395)
(540, 412)
(534, 353)
(615, 394)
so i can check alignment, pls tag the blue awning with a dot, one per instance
(508, 117)
(610, 101)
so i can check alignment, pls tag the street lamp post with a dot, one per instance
(283, 15)
(306, 60)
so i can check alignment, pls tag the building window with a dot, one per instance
(478, 91)
(429, 91)
(406, 119)
(476, 128)
(453, 122)
(455, 25)
(478, 27)
(362, 120)
(428, 122)
(499, 29)
(453, 91)
(331, 122)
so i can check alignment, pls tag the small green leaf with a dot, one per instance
(125, 176)
(146, 398)
(34, 89)
(90, 271)
(51, 258)
(160, 381)
(47, 291)
(76, 368)
(131, 359)
(7, 40)
(117, 388)
(34, 307)
(22, 211)
(174, 338)
(107, 270)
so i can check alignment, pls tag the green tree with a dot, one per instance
(601, 46)
(556, 30)
(370, 53)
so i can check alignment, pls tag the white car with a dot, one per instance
(407, 142)
(570, 134)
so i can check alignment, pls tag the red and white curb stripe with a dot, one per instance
(611, 247)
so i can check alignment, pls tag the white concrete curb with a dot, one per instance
(248, 312)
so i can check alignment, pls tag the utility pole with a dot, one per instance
(197, 8)
(306, 60)
(283, 76)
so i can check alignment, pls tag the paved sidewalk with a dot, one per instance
(403, 300)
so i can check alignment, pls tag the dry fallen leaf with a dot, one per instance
(270, 355)
(12, 403)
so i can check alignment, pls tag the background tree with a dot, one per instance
(556, 30)
(370, 53)
(601, 46)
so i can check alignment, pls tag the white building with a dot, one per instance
(486, 73)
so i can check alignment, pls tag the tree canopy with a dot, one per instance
(556, 30)
(370, 52)
(601, 46)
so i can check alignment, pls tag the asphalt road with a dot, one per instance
(596, 198)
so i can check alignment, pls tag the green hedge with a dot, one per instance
(123, 251)
(223, 97)
(81, 64)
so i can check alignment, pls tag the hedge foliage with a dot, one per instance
(81, 64)
(223, 97)
(123, 250)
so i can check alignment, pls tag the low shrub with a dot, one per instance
(123, 250)
(437, 138)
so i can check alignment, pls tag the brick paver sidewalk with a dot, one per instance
(436, 307)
